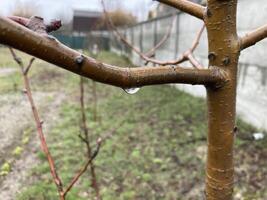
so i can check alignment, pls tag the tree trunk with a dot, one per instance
(220, 18)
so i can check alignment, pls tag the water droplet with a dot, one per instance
(131, 90)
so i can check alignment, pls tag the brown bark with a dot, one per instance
(83, 169)
(186, 6)
(252, 38)
(94, 101)
(54, 52)
(224, 48)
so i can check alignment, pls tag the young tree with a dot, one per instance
(219, 78)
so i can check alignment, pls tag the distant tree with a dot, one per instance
(119, 18)
(25, 9)
(114, 4)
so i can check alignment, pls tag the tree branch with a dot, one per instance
(26, 71)
(52, 51)
(84, 168)
(252, 38)
(186, 6)
(85, 138)
(38, 122)
(187, 55)
(57, 180)
(145, 56)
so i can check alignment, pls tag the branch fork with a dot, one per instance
(188, 55)
(56, 53)
(56, 178)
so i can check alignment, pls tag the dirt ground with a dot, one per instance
(16, 121)
(15, 117)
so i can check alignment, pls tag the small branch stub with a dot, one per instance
(79, 59)
(253, 37)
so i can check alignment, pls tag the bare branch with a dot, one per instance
(185, 56)
(145, 56)
(188, 55)
(167, 35)
(85, 138)
(186, 6)
(82, 139)
(56, 53)
(197, 39)
(83, 169)
(53, 170)
(29, 66)
(38, 122)
(16, 58)
(194, 61)
(252, 38)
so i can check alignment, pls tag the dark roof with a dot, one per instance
(86, 13)
(86, 20)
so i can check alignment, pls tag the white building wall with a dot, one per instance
(252, 86)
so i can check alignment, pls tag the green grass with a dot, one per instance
(149, 156)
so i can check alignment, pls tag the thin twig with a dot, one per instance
(187, 55)
(253, 37)
(38, 122)
(82, 138)
(145, 56)
(94, 100)
(85, 137)
(44, 146)
(167, 35)
(83, 169)
(29, 66)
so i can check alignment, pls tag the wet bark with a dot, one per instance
(220, 18)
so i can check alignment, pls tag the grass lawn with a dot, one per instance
(157, 151)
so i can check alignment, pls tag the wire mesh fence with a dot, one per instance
(252, 75)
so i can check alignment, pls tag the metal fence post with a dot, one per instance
(132, 40)
(141, 40)
(155, 35)
(124, 46)
(155, 32)
(177, 35)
